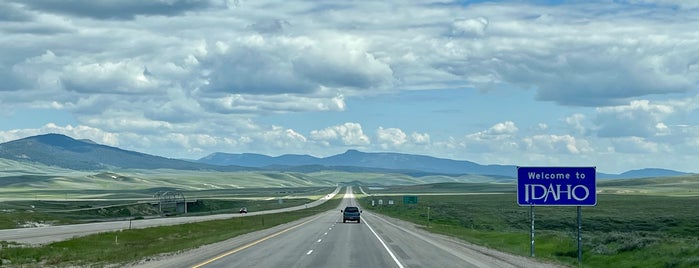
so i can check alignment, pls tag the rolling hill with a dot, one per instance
(397, 162)
(66, 152)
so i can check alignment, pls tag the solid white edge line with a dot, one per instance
(383, 244)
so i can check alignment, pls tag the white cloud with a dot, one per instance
(420, 138)
(639, 118)
(498, 131)
(281, 138)
(349, 134)
(556, 144)
(470, 27)
(188, 77)
(501, 137)
(391, 137)
(542, 126)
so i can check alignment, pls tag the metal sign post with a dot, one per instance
(579, 235)
(557, 186)
(531, 233)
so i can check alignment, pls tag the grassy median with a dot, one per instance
(621, 231)
(132, 245)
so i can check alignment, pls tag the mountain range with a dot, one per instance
(66, 152)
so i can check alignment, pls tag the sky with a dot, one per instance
(610, 84)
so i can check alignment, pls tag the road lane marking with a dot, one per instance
(383, 244)
(251, 244)
(309, 252)
(319, 240)
(451, 251)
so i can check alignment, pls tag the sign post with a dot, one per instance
(557, 186)
(531, 232)
(579, 234)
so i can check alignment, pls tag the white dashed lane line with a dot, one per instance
(319, 241)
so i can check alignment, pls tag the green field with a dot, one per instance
(119, 248)
(136, 204)
(650, 222)
(656, 229)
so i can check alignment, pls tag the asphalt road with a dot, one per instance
(324, 241)
(48, 234)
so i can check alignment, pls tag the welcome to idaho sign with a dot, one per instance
(556, 186)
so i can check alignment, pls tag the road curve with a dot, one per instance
(47, 234)
(324, 241)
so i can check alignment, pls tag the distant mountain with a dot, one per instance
(66, 152)
(647, 173)
(414, 165)
(401, 163)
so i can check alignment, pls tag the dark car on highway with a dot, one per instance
(350, 214)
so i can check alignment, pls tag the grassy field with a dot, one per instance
(133, 245)
(623, 230)
(31, 181)
(23, 213)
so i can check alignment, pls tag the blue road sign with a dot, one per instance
(556, 186)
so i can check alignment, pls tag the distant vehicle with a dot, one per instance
(350, 214)
(243, 210)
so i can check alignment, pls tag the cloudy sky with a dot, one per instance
(611, 84)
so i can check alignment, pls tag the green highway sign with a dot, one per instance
(409, 199)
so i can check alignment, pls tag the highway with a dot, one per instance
(48, 234)
(324, 241)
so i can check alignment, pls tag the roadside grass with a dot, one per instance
(621, 231)
(15, 214)
(132, 245)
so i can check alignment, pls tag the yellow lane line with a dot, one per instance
(251, 244)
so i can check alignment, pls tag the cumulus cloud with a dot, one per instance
(390, 137)
(420, 138)
(470, 27)
(196, 75)
(236, 53)
(638, 118)
(501, 137)
(558, 144)
(498, 131)
(278, 65)
(263, 104)
(280, 137)
(574, 60)
(396, 138)
(349, 134)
